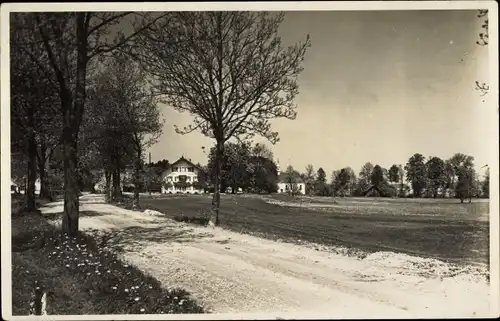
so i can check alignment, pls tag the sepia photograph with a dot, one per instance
(250, 160)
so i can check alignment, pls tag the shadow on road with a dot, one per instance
(58, 215)
(135, 233)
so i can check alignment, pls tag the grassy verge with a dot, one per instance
(82, 276)
(126, 203)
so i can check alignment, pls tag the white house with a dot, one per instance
(14, 188)
(17, 188)
(180, 176)
(284, 185)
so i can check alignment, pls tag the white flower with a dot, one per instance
(126, 290)
(67, 265)
(142, 310)
(114, 288)
(136, 299)
(125, 265)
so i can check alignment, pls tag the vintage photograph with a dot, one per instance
(277, 163)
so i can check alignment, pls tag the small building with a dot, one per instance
(287, 184)
(181, 177)
(14, 188)
(21, 188)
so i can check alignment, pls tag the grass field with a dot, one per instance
(443, 229)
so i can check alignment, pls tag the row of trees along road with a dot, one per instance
(229, 70)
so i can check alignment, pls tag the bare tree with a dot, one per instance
(104, 127)
(125, 86)
(309, 178)
(229, 70)
(291, 179)
(71, 40)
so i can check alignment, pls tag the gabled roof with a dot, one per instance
(182, 159)
(373, 187)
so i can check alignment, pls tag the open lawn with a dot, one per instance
(441, 228)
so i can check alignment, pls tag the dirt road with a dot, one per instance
(235, 273)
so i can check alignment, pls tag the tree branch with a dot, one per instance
(106, 48)
(105, 22)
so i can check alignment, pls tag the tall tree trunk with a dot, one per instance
(72, 116)
(453, 187)
(92, 187)
(107, 187)
(43, 162)
(71, 202)
(219, 153)
(117, 192)
(30, 187)
(44, 189)
(137, 178)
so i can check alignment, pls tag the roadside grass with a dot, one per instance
(126, 202)
(82, 276)
(444, 230)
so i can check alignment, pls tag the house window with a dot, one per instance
(175, 169)
(300, 187)
(191, 169)
(188, 179)
(286, 187)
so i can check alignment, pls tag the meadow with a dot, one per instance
(434, 228)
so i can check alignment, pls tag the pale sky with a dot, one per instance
(376, 86)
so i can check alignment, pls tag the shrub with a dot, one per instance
(192, 219)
